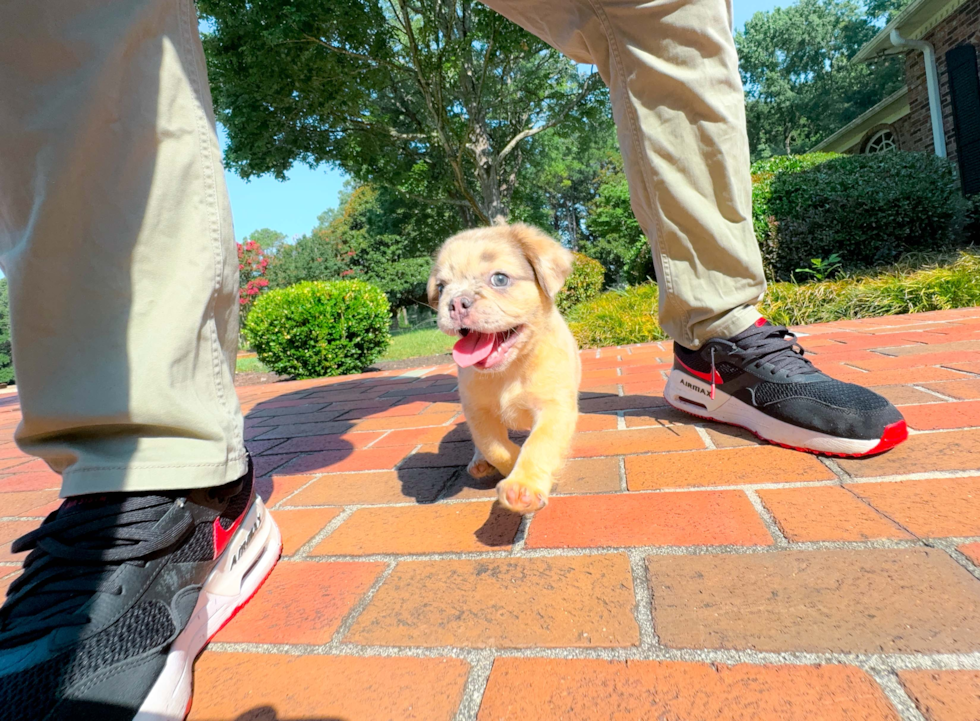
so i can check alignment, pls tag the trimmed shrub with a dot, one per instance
(915, 285)
(763, 173)
(6, 360)
(617, 317)
(585, 283)
(316, 329)
(870, 209)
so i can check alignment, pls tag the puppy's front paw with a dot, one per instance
(480, 468)
(522, 496)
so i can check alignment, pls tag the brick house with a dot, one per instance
(938, 39)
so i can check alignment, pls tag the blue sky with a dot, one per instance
(291, 207)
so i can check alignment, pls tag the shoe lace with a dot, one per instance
(73, 556)
(773, 344)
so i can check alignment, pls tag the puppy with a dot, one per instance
(519, 366)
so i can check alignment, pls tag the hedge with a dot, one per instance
(913, 286)
(870, 209)
(585, 283)
(317, 328)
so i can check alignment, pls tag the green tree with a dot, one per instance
(270, 240)
(799, 84)
(6, 358)
(435, 99)
(315, 256)
(615, 238)
(562, 175)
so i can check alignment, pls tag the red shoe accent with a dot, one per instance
(893, 435)
(761, 322)
(221, 536)
(718, 380)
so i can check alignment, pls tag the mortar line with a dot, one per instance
(969, 374)
(694, 550)
(379, 438)
(620, 420)
(643, 611)
(868, 662)
(703, 434)
(517, 549)
(767, 519)
(621, 468)
(475, 687)
(953, 552)
(279, 505)
(303, 551)
(358, 608)
(935, 393)
(895, 693)
(834, 467)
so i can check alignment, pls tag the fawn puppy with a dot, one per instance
(519, 366)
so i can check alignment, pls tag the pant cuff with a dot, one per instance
(143, 479)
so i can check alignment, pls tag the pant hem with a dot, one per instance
(146, 478)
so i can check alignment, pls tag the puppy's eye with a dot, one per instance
(439, 288)
(499, 280)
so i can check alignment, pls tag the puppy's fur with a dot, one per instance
(530, 380)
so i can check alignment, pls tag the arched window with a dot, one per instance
(882, 141)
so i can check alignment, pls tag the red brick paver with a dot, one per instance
(682, 570)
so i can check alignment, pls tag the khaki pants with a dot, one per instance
(117, 239)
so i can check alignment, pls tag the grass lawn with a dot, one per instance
(409, 344)
(250, 365)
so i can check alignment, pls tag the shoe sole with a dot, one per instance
(239, 573)
(693, 396)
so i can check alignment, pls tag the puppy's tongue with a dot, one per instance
(472, 348)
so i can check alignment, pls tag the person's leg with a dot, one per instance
(116, 238)
(677, 100)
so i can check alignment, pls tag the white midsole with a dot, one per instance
(248, 559)
(694, 396)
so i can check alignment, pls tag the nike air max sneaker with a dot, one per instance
(118, 596)
(759, 380)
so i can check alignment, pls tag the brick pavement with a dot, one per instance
(684, 570)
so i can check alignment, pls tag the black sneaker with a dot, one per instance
(759, 380)
(119, 595)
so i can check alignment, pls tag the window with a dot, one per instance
(882, 141)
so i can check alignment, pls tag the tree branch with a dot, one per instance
(351, 54)
(547, 126)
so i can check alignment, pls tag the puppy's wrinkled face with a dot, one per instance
(494, 287)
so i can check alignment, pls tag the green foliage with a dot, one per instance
(6, 357)
(315, 329)
(615, 238)
(617, 317)
(915, 285)
(316, 256)
(799, 82)
(821, 269)
(763, 173)
(584, 284)
(268, 239)
(869, 209)
(433, 99)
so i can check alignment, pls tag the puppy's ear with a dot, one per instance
(551, 262)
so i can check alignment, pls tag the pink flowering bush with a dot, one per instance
(252, 265)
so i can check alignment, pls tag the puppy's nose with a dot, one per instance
(460, 306)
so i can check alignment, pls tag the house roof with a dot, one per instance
(914, 21)
(889, 110)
